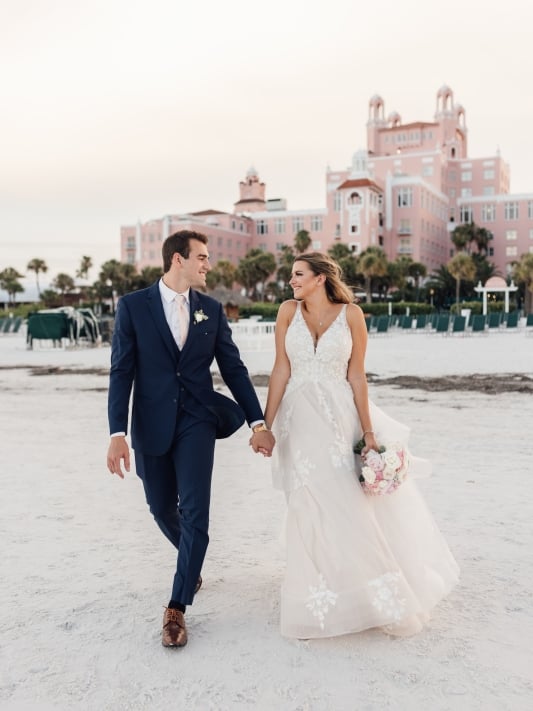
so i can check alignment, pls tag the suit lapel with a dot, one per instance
(156, 309)
(194, 303)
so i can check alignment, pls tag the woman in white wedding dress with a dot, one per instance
(353, 561)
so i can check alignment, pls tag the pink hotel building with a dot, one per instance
(405, 193)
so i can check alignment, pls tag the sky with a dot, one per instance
(119, 110)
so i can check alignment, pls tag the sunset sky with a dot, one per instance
(118, 110)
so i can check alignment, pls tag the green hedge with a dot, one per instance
(268, 311)
(476, 307)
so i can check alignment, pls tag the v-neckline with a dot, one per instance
(315, 345)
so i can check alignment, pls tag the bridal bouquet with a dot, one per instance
(383, 471)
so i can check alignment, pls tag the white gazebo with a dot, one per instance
(493, 285)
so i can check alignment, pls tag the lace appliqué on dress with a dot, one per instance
(387, 597)
(320, 599)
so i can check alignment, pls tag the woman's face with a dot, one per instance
(303, 280)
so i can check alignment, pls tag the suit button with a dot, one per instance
(178, 373)
(174, 400)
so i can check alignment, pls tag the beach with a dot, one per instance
(85, 573)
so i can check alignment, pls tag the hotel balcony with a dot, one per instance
(404, 249)
(404, 230)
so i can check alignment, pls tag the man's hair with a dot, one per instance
(179, 242)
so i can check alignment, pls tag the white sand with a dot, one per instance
(84, 572)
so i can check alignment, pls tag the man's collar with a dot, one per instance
(169, 294)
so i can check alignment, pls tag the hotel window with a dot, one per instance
(531, 250)
(466, 175)
(263, 246)
(511, 251)
(241, 226)
(297, 224)
(279, 226)
(452, 176)
(130, 243)
(466, 192)
(337, 201)
(488, 212)
(130, 259)
(316, 224)
(279, 246)
(233, 224)
(530, 209)
(465, 213)
(229, 243)
(220, 241)
(530, 234)
(405, 227)
(511, 235)
(511, 211)
(488, 174)
(427, 170)
(317, 244)
(151, 237)
(405, 197)
(262, 227)
(452, 192)
(488, 190)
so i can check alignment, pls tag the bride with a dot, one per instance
(354, 561)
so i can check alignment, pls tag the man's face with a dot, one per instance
(195, 268)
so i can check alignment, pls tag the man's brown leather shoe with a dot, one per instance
(174, 629)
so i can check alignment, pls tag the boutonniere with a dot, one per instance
(199, 316)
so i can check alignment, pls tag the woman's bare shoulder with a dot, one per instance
(287, 308)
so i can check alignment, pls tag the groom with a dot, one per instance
(164, 341)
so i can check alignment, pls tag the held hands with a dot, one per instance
(263, 442)
(118, 451)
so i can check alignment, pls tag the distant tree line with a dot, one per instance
(262, 277)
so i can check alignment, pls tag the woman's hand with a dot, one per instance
(370, 443)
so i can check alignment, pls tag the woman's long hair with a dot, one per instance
(337, 291)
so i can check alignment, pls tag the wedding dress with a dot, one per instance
(354, 561)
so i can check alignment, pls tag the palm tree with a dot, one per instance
(523, 274)
(372, 263)
(417, 271)
(254, 269)
(461, 267)
(302, 241)
(86, 263)
(63, 283)
(9, 281)
(37, 265)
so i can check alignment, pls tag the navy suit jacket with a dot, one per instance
(146, 358)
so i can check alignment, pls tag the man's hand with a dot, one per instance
(263, 442)
(118, 451)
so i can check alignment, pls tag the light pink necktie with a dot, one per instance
(182, 313)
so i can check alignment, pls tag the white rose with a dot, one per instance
(368, 474)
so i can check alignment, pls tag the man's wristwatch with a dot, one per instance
(260, 428)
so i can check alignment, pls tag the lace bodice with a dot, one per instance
(329, 361)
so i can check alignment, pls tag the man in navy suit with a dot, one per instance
(164, 342)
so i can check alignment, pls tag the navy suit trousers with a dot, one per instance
(177, 486)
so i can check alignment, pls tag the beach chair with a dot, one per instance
(529, 325)
(443, 324)
(459, 325)
(6, 326)
(382, 325)
(512, 320)
(406, 323)
(17, 323)
(421, 321)
(478, 324)
(494, 319)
